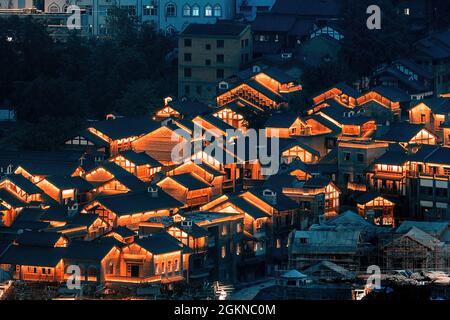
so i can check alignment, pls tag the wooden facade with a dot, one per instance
(159, 144)
(190, 197)
(145, 172)
(381, 208)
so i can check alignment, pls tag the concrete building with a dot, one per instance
(208, 54)
(354, 157)
(170, 16)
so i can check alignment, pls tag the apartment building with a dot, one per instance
(170, 16)
(208, 54)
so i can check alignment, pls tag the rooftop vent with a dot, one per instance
(270, 195)
(153, 191)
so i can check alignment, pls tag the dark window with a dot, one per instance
(187, 72)
(220, 58)
(220, 43)
(220, 73)
(187, 57)
(360, 157)
(198, 89)
(346, 156)
(208, 46)
(441, 192)
(188, 42)
(208, 62)
(187, 89)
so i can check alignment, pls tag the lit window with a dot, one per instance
(186, 10)
(224, 252)
(195, 10)
(171, 10)
(407, 11)
(208, 11)
(217, 10)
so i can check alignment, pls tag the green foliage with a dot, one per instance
(55, 85)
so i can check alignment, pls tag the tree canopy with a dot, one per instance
(57, 85)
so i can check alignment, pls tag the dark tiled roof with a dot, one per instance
(125, 127)
(247, 207)
(61, 182)
(281, 180)
(47, 160)
(440, 156)
(23, 183)
(267, 92)
(281, 120)
(124, 177)
(191, 108)
(342, 114)
(38, 239)
(123, 231)
(85, 219)
(138, 202)
(29, 214)
(194, 231)
(278, 74)
(31, 225)
(81, 184)
(392, 93)
(89, 136)
(282, 202)
(346, 89)
(190, 181)
(392, 157)
(11, 199)
(288, 143)
(160, 243)
(48, 168)
(312, 8)
(32, 256)
(317, 182)
(87, 250)
(216, 122)
(56, 212)
(226, 29)
(401, 132)
(437, 105)
(140, 158)
(271, 22)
